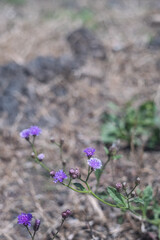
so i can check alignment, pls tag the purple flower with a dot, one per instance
(60, 176)
(95, 163)
(35, 130)
(89, 152)
(41, 156)
(25, 219)
(25, 133)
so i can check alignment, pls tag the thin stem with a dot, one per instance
(69, 182)
(58, 229)
(131, 191)
(29, 232)
(101, 200)
(34, 234)
(36, 158)
(89, 173)
(75, 189)
(102, 170)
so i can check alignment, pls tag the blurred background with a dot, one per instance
(67, 66)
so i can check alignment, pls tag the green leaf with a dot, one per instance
(117, 157)
(106, 150)
(116, 196)
(98, 174)
(103, 195)
(79, 187)
(138, 200)
(147, 195)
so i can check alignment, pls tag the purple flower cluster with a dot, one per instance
(32, 131)
(41, 156)
(25, 219)
(95, 163)
(60, 176)
(89, 152)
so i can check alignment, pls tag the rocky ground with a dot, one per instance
(61, 63)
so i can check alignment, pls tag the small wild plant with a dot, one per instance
(138, 203)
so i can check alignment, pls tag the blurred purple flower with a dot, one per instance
(25, 133)
(95, 163)
(35, 130)
(89, 152)
(41, 156)
(25, 219)
(60, 176)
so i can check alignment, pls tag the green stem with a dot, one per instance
(69, 182)
(34, 234)
(89, 173)
(37, 160)
(29, 232)
(58, 229)
(101, 200)
(131, 191)
(75, 189)
(103, 168)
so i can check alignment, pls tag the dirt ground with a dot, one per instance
(40, 28)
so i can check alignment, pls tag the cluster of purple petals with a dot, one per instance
(41, 156)
(95, 163)
(25, 219)
(89, 152)
(60, 176)
(32, 131)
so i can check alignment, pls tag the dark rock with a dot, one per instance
(69, 64)
(43, 68)
(12, 83)
(84, 43)
(155, 42)
(158, 66)
(12, 77)
(59, 90)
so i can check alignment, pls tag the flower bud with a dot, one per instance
(61, 142)
(71, 171)
(32, 155)
(133, 194)
(36, 225)
(66, 213)
(52, 140)
(113, 149)
(74, 173)
(77, 172)
(124, 184)
(138, 180)
(52, 173)
(118, 187)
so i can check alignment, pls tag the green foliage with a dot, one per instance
(117, 197)
(98, 174)
(85, 15)
(132, 124)
(79, 186)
